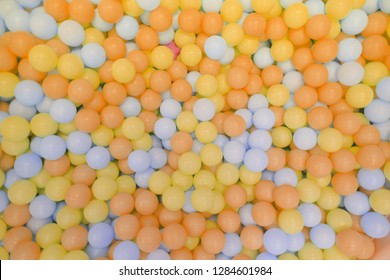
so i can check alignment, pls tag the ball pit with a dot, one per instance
(178, 129)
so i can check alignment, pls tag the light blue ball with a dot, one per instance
(29, 93)
(100, 235)
(256, 102)
(305, 138)
(384, 5)
(63, 110)
(95, 253)
(293, 80)
(383, 89)
(265, 256)
(98, 157)
(243, 139)
(192, 77)
(315, 7)
(78, 142)
(156, 143)
(275, 241)
(28, 165)
(371, 6)
(350, 73)
(29, 4)
(215, 47)
(268, 175)
(263, 118)
(286, 66)
(263, 57)
(323, 236)
(59, 206)
(357, 203)
(384, 130)
(4, 201)
(2, 27)
(71, 33)
(245, 213)
(233, 245)
(167, 144)
(158, 158)
(355, 22)
(131, 107)
(164, 128)
(35, 145)
(261, 139)
(126, 250)
(158, 254)
(286, 176)
(35, 224)
(375, 225)
(127, 28)
(332, 68)
(45, 105)
(222, 257)
(41, 207)
(256, 160)
(139, 161)
(144, 17)
(286, 3)
(204, 109)
(228, 56)
(17, 20)
(377, 111)
(350, 49)
(246, 115)
(43, 26)
(188, 208)
(371, 180)
(170, 108)
(142, 178)
(311, 214)
(197, 146)
(93, 55)
(10, 178)
(166, 36)
(18, 109)
(221, 140)
(233, 152)
(99, 23)
(52, 147)
(6, 6)
(295, 242)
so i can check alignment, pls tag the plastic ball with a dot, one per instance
(350, 73)
(126, 250)
(311, 214)
(377, 111)
(204, 109)
(350, 49)
(233, 245)
(127, 28)
(323, 236)
(275, 241)
(234, 152)
(256, 160)
(14, 128)
(139, 161)
(28, 165)
(296, 15)
(71, 33)
(375, 225)
(355, 22)
(285, 176)
(202, 199)
(52, 147)
(17, 20)
(263, 57)
(100, 235)
(305, 138)
(123, 70)
(260, 139)
(93, 55)
(263, 118)
(78, 142)
(62, 111)
(371, 179)
(215, 47)
(382, 90)
(98, 157)
(43, 26)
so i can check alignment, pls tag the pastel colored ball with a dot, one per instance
(375, 225)
(28, 165)
(43, 26)
(100, 235)
(98, 157)
(52, 147)
(215, 47)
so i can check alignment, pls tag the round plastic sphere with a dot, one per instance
(293, 80)
(17, 20)
(131, 107)
(158, 158)
(98, 157)
(29, 93)
(42, 207)
(256, 160)
(332, 70)
(233, 245)
(286, 176)
(170, 108)
(350, 49)
(383, 89)
(18, 109)
(28, 165)
(212, 6)
(375, 225)
(35, 224)
(315, 7)
(142, 178)
(234, 152)
(10, 178)
(127, 28)
(246, 115)
(215, 47)
(245, 213)
(350, 73)
(78, 142)
(164, 128)
(96, 253)
(99, 23)
(158, 254)
(52, 147)
(323, 236)
(260, 139)
(30, 4)
(371, 179)
(43, 26)
(100, 235)
(305, 138)
(377, 111)
(148, 5)
(357, 203)
(263, 118)
(265, 256)
(71, 33)
(4, 201)
(204, 109)
(139, 161)
(355, 22)
(44, 105)
(166, 37)
(295, 242)
(93, 55)
(2, 26)
(311, 214)
(263, 57)
(126, 250)
(275, 241)
(384, 6)
(62, 111)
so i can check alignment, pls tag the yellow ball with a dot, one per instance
(250, 191)
(93, 35)
(357, 4)
(131, 8)
(328, 199)
(233, 34)
(228, 174)
(310, 252)
(296, 15)
(290, 221)
(2, 178)
(144, 143)
(219, 203)
(206, 132)
(380, 201)
(359, 96)
(95, 211)
(191, 55)
(3, 254)
(70, 66)
(182, 38)
(123, 70)
(281, 136)
(53, 252)
(186, 121)
(133, 128)
(42, 58)
(282, 50)
(67, 128)
(22, 192)
(249, 45)
(68, 217)
(43, 125)
(76, 255)
(204, 179)
(263, 6)
(3, 229)
(181, 180)
(92, 76)
(162, 57)
(77, 159)
(192, 242)
(206, 85)
(189, 163)
(248, 177)
(173, 198)
(104, 188)
(322, 182)
(159, 181)
(49, 234)
(294, 118)
(339, 219)
(8, 82)
(338, 9)
(335, 29)
(190, 4)
(111, 171)
(219, 101)
(278, 95)
(15, 148)
(334, 253)
(57, 187)
(223, 85)
(14, 128)
(330, 140)
(288, 256)
(171, 5)
(374, 72)
(309, 190)
(211, 154)
(231, 10)
(126, 183)
(275, 11)
(202, 199)
(386, 170)
(41, 178)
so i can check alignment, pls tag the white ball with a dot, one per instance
(305, 138)
(371, 6)
(350, 73)
(215, 47)
(148, 5)
(263, 58)
(355, 22)
(127, 28)
(211, 6)
(204, 109)
(350, 49)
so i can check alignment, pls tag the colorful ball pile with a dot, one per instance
(190, 129)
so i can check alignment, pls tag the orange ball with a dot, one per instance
(149, 220)
(375, 47)
(181, 254)
(150, 100)
(148, 239)
(367, 135)
(147, 38)
(87, 120)
(252, 237)
(15, 236)
(27, 72)
(345, 183)
(254, 25)
(318, 26)
(305, 97)
(114, 47)
(149, 119)
(110, 10)
(112, 116)
(235, 196)
(195, 224)
(370, 157)
(114, 93)
(347, 123)
(127, 227)
(237, 77)
(343, 161)
(174, 236)
(21, 42)
(74, 238)
(57, 167)
(78, 196)
(297, 158)
(55, 86)
(271, 75)
(137, 86)
(160, 19)
(286, 197)
(181, 90)
(276, 159)
(377, 24)
(213, 241)
(190, 20)
(298, 36)
(212, 23)
(368, 248)
(27, 250)
(16, 215)
(319, 166)
(209, 66)
(177, 70)
(330, 93)
(83, 174)
(350, 242)
(58, 9)
(200, 253)
(120, 148)
(254, 85)
(325, 50)
(264, 213)
(319, 118)
(264, 191)
(82, 11)
(160, 81)
(302, 58)
(139, 59)
(181, 142)
(80, 91)
(276, 28)
(122, 203)
(228, 220)
(146, 202)
(167, 217)
(234, 125)
(315, 75)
